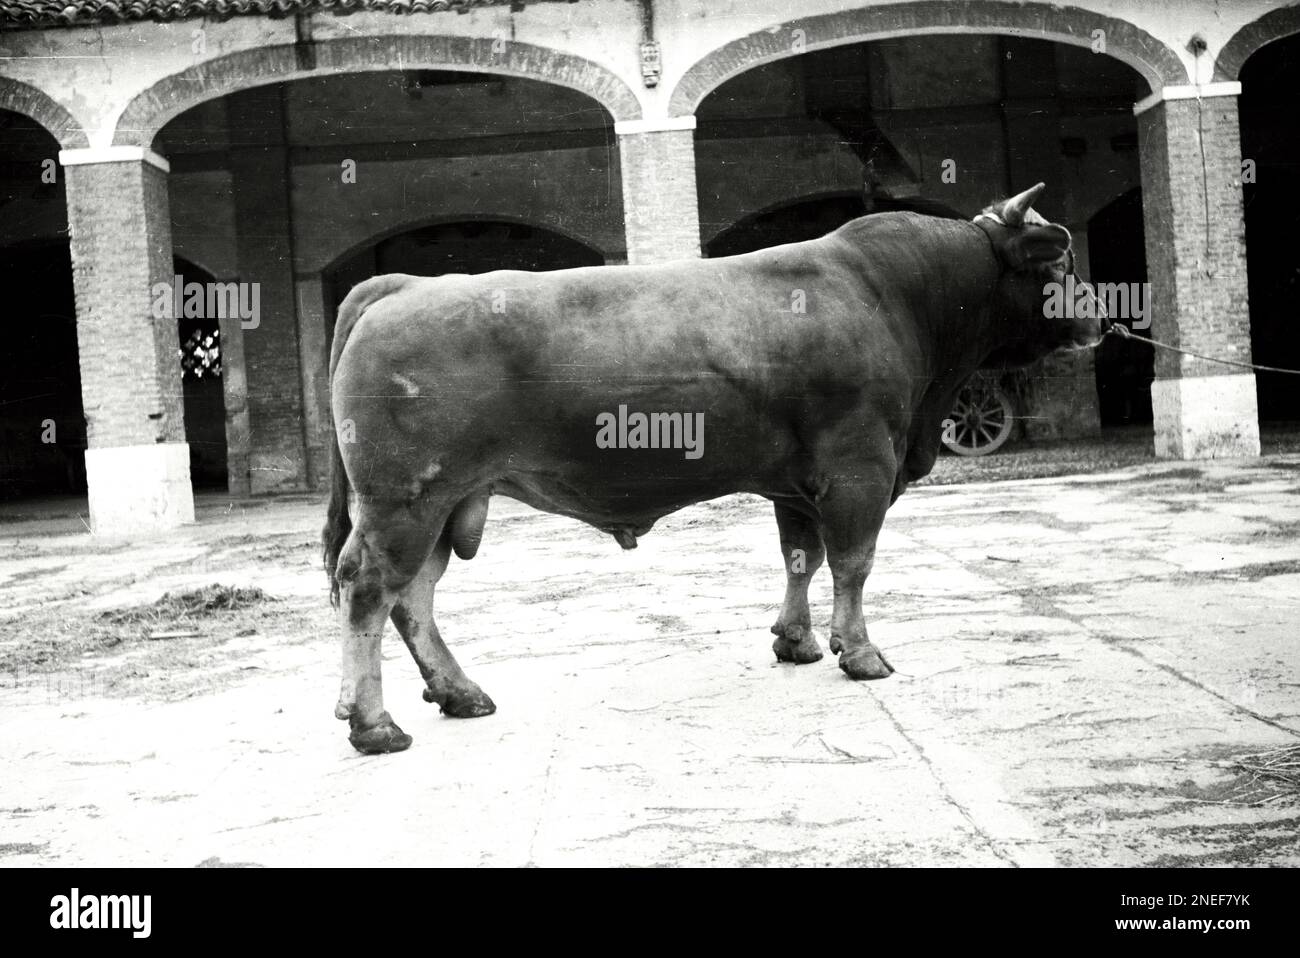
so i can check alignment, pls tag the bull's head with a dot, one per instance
(1038, 275)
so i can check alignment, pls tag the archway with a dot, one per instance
(42, 420)
(151, 110)
(1272, 26)
(1270, 140)
(36, 105)
(1151, 59)
(956, 119)
(42, 423)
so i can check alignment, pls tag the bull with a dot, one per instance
(820, 373)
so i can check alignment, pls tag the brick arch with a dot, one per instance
(150, 110)
(449, 218)
(1151, 58)
(30, 102)
(1274, 25)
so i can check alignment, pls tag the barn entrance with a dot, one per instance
(205, 403)
(1270, 138)
(1125, 370)
(43, 451)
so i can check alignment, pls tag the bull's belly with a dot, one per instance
(622, 499)
(578, 458)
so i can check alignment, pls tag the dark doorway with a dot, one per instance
(43, 451)
(205, 401)
(1117, 254)
(1270, 138)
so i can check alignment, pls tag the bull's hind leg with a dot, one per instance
(454, 692)
(381, 556)
(802, 552)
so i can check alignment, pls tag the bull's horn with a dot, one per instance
(1014, 210)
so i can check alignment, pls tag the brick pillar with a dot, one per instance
(119, 220)
(1196, 261)
(234, 387)
(277, 455)
(661, 207)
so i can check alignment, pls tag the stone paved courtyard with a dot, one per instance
(1081, 662)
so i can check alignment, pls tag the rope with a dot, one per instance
(1123, 333)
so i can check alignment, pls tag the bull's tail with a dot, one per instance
(338, 521)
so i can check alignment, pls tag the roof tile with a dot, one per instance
(37, 14)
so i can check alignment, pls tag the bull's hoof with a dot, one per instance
(463, 703)
(379, 739)
(865, 662)
(795, 643)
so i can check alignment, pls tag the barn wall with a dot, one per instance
(630, 173)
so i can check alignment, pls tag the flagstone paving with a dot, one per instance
(1081, 661)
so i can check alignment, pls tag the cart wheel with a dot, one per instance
(981, 420)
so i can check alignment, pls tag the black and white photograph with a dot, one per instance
(650, 434)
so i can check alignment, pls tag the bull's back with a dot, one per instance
(670, 320)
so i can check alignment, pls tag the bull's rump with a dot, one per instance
(507, 377)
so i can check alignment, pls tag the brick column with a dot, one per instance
(1196, 261)
(661, 207)
(234, 387)
(119, 221)
(277, 455)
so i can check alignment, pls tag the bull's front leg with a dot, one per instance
(445, 682)
(851, 521)
(382, 554)
(802, 553)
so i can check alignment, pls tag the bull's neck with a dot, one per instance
(946, 271)
(966, 335)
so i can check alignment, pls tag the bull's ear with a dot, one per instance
(1014, 209)
(1037, 244)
